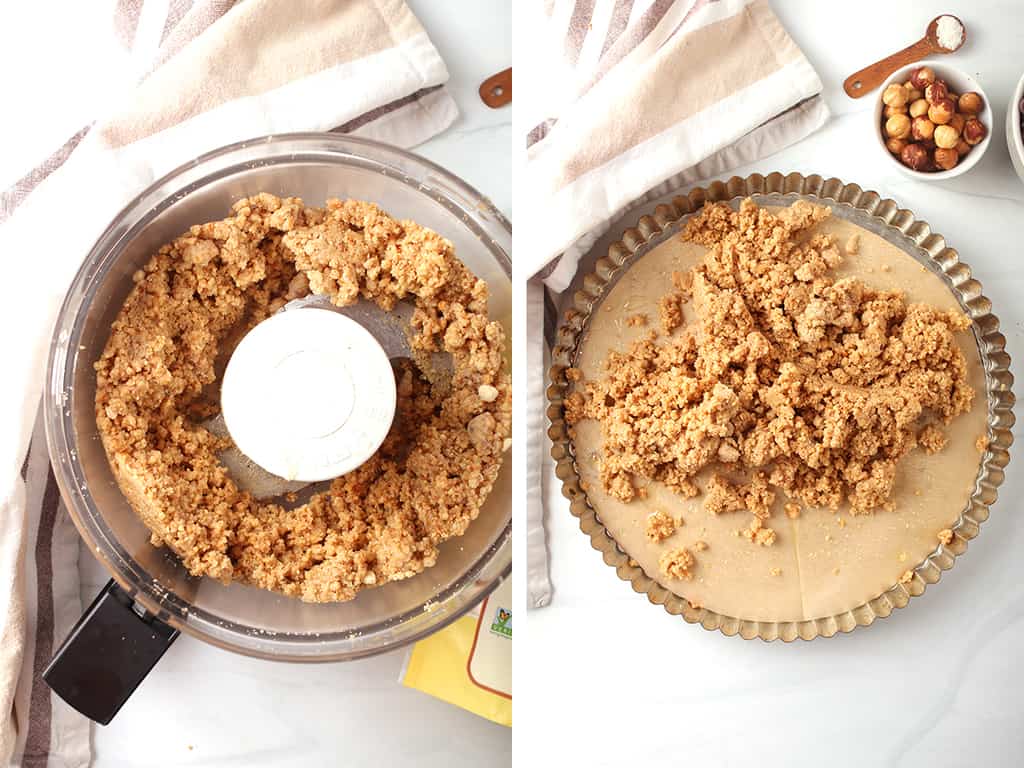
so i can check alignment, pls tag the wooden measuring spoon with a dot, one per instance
(496, 91)
(869, 78)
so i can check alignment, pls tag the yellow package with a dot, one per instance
(469, 662)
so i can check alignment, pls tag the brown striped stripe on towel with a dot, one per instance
(48, 727)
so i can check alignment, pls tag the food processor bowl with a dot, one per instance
(151, 582)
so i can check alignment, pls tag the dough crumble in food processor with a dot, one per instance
(158, 389)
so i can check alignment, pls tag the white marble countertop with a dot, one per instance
(202, 706)
(938, 683)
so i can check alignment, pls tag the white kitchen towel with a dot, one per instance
(640, 97)
(202, 73)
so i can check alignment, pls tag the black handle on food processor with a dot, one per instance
(108, 653)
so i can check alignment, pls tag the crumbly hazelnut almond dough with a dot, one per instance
(661, 525)
(790, 379)
(932, 439)
(156, 381)
(678, 563)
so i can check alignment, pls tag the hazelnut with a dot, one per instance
(962, 147)
(922, 77)
(974, 131)
(897, 127)
(896, 146)
(918, 107)
(946, 159)
(936, 92)
(956, 122)
(913, 94)
(895, 95)
(890, 111)
(915, 156)
(921, 128)
(946, 137)
(942, 112)
(971, 103)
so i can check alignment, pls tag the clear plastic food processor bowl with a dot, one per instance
(237, 617)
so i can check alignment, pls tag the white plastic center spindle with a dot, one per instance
(308, 395)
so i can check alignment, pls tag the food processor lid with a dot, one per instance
(308, 394)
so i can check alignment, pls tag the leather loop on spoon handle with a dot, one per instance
(869, 78)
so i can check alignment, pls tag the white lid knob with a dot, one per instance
(308, 395)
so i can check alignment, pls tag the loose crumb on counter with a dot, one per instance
(639, 319)
(907, 577)
(982, 443)
(946, 536)
(792, 510)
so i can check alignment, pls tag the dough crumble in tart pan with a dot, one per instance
(879, 216)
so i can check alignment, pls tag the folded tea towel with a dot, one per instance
(185, 77)
(636, 98)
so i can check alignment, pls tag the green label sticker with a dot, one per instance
(502, 623)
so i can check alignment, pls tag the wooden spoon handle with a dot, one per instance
(869, 78)
(496, 91)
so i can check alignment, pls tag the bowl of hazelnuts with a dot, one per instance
(933, 121)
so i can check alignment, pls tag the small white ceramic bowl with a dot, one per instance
(959, 82)
(1013, 130)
